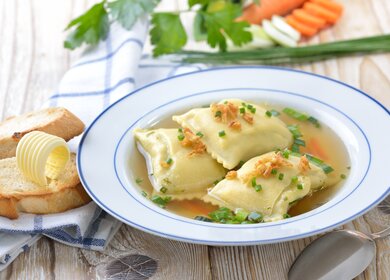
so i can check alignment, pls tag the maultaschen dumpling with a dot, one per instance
(177, 162)
(268, 184)
(236, 131)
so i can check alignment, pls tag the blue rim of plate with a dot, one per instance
(291, 237)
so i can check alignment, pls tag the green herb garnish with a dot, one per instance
(281, 176)
(294, 179)
(242, 110)
(258, 188)
(268, 113)
(160, 201)
(139, 181)
(163, 190)
(203, 219)
(343, 176)
(274, 112)
(222, 133)
(274, 171)
(300, 187)
(169, 161)
(286, 154)
(200, 134)
(253, 182)
(286, 216)
(241, 215)
(218, 114)
(320, 163)
(180, 137)
(255, 217)
(144, 194)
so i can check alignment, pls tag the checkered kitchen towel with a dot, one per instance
(104, 74)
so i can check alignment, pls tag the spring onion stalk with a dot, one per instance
(294, 55)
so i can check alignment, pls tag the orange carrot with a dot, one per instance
(330, 5)
(317, 10)
(306, 18)
(316, 150)
(256, 13)
(301, 27)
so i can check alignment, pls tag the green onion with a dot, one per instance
(343, 176)
(254, 183)
(253, 110)
(274, 171)
(286, 154)
(300, 187)
(268, 114)
(139, 181)
(221, 133)
(286, 216)
(295, 114)
(296, 55)
(255, 217)
(294, 180)
(249, 106)
(241, 215)
(218, 114)
(300, 142)
(160, 201)
(326, 168)
(314, 121)
(203, 219)
(180, 130)
(294, 130)
(275, 113)
(163, 190)
(200, 134)
(144, 194)
(242, 110)
(258, 188)
(180, 137)
(169, 161)
(281, 176)
(221, 215)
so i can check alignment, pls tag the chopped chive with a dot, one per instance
(326, 168)
(295, 114)
(295, 148)
(218, 114)
(139, 181)
(254, 182)
(163, 190)
(274, 113)
(314, 121)
(258, 188)
(294, 130)
(241, 215)
(255, 217)
(286, 154)
(203, 219)
(300, 187)
(281, 176)
(200, 134)
(180, 130)
(180, 137)
(343, 176)
(268, 114)
(250, 106)
(286, 216)
(160, 201)
(300, 142)
(242, 110)
(144, 194)
(169, 161)
(253, 110)
(222, 133)
(274, 171)
(294, 180)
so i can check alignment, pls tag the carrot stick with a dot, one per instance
(330, 5)
(301, 27)
(316, 149)
(256, 13)
(304, 17)
(317, 10)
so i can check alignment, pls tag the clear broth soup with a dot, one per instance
(320, 142)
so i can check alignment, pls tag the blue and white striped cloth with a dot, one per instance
(104, 74)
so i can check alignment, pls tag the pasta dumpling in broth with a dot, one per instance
(177, 162)
(236, 131)
(268, 184)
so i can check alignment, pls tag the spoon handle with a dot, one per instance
(382, 234)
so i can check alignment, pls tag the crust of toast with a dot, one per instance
(56, 202)
(56, 121)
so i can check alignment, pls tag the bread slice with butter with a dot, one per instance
(57, 121)
(18, 194)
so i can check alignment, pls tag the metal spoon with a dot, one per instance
(341, 254)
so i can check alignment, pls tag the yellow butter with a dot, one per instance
(40, 156)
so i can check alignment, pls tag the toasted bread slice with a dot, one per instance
(18, 194)
(56, 121)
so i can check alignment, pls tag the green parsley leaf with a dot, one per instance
(219, 22)
(126, 12)
(167, 33)
(90, 27)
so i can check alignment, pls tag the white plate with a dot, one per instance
(360, 121)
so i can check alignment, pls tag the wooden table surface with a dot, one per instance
(32, 62)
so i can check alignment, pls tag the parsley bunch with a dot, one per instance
(215, 22)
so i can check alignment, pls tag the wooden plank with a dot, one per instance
(32, 61)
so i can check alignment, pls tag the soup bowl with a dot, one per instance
(107, 150)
